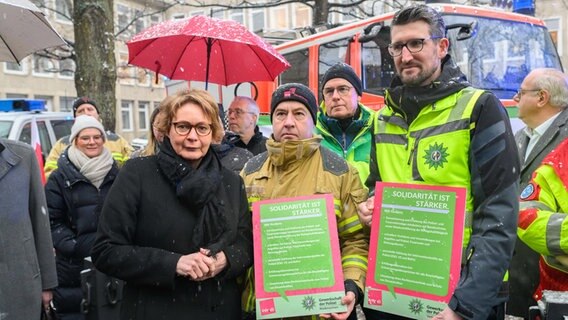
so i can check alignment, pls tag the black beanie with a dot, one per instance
(295, 92)
(81, 101)
(343, 70)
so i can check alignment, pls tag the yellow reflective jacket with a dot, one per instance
(117, 145)
(543, 219)
(299, 168)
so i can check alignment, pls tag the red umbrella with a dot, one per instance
(206, 49)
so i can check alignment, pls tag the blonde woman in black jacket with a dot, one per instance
(176, 225)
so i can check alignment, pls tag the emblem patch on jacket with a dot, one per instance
(530, 192)
(436, 156)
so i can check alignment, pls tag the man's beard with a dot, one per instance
(418, 80)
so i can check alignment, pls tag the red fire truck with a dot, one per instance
(494, 48)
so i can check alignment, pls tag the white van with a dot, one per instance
(16, 125)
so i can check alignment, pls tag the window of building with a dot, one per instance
(154, 20)
(14, 68)
(126, 114)
(302, 16)
(123, 13)
(143, 77)
(279, 18)
(298, 71)
(63, 11)
(178, 16)
(66, 104)
(143, 115)
(43, 66)
(237, 15)
(48, 101)
(126, 73)
(257, 18)
(218, 13)
(554, 26)
(16, 96)
(140, 23)
(66, 68)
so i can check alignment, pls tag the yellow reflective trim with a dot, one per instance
(355, 256)
(354, 261)
(337, 207)
(118, 156)
(349, 225)
(250, 299)
(523, 205)
(343, 223)
(50, 165)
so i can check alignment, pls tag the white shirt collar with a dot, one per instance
(540, 130)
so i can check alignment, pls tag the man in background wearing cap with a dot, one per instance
(117, 145)
(344, 123)
(296, 164)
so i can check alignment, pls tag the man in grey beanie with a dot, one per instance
(344, 123)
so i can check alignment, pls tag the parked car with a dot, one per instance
(140, 142)
(51, 127)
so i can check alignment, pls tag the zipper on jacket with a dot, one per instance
(411, 148)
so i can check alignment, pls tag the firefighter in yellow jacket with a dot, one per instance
(117, 145)
(295, 164)
(543, 223)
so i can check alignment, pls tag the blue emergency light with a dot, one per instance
(22, 105)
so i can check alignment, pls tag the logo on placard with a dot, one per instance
(267, 307)
(415, 306)
(436, 156)
(309, 303)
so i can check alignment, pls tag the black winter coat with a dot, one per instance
(143, 232)
(74, 205)
(256, 144)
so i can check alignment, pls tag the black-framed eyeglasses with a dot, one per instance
(413, 46)
(183, 128)
(342, 90)
(520, 92)
(238, 112)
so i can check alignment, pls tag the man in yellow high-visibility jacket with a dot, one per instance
(438, 130)
(543, 219)
(117, 145)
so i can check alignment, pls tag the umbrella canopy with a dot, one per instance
(24, 30)
(206, 49)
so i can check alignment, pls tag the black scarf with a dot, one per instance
(199, 190)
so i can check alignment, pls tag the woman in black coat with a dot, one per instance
(176, 226)
(75, 193)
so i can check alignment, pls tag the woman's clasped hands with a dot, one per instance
(200, 266)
